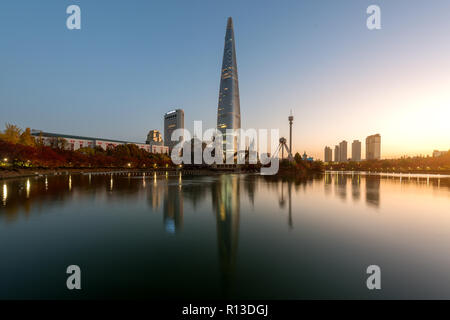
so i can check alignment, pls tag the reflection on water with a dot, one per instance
(261, 228)
(4, 194)
(226, 204)
(373, 190)
(173, 208)
(341, 186)
(356, 187)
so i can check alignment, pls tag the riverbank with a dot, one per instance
(403, 172)
(9, 173)
(33, 172)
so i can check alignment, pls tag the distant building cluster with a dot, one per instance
(154, 144)
(373, 150)
(437, 153)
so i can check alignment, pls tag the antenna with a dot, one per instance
(291, 120)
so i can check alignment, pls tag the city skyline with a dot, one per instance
(317, 59)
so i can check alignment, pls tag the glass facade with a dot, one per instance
(173, 120)
(229, 111)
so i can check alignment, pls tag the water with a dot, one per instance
(225, 236)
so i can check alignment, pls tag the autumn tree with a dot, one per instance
(11, 134)
(59, 143)
(27, 139)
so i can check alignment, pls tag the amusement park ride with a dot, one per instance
(283, 146)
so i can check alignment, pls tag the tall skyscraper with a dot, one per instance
(229, 110)
(356, 150)
(373, 147)
(337, 154)
(173, 120)
(328, 157)
(343, 151)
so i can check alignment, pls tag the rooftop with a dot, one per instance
(67, 136)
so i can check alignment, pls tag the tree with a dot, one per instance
(59, 143)
(298, 157)
(27, 139)
(86, 151)
(11, 134)
(40, 140)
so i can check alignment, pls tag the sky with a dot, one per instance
(134, 60)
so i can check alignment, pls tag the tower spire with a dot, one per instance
(230, 23)
(291, 119)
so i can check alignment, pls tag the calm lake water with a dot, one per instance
(225, 236)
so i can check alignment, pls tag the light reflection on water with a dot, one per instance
(238, 236)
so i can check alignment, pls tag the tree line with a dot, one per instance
(18, 148)
(440, 164)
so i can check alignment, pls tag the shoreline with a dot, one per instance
(399, 173)
(6, 174)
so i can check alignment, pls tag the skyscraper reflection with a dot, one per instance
(373, 190)
(226, 204)
(173, 208)
(341, 186)
(327, 183)
(356, 187)
(250, 186)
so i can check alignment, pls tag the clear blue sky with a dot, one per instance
(134, 60)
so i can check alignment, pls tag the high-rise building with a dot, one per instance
(229, 110)
(328, 157)
(373, 147)
(343, 151)
(356, 150)
(173, 120)
(154, 137)
(337, 154)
